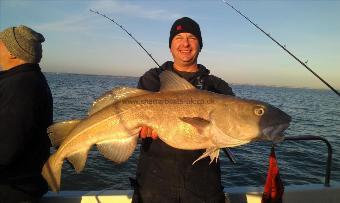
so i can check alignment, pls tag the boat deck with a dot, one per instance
(293, 194)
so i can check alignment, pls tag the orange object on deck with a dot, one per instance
(273, 189)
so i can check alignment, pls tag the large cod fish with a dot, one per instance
(183, 116)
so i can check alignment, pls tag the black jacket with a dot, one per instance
(163, 166)
(26, 110)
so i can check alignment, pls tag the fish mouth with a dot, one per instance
(275, 133)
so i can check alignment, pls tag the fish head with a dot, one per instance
(242, 121)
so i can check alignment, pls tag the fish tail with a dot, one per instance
(52, 173)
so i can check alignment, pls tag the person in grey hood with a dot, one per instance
(26, 110)
(165, 174)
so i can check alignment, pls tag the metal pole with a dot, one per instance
(329, 157)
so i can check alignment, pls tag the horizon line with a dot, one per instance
(233, 83)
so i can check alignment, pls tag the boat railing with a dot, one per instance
(298, 138)
(329, 157)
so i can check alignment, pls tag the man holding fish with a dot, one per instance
(166, 174)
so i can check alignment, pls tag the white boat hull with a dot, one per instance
(293, 194)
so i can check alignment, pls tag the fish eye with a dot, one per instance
(259, 111)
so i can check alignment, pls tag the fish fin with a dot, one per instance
(78, 160)
(214, 155)
(201, 124)
(59, 131)
(120, 150)
(171, 81)
(213, 152)
(115, 95)
(51, 172)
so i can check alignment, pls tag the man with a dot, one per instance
(25, 113)
(166, 174)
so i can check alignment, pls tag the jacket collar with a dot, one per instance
(202, 70)
(20, 68)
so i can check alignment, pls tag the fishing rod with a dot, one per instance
(140, 44)
(283, 47)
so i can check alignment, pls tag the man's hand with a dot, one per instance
(147, 132)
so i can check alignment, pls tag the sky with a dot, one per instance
(78, 41)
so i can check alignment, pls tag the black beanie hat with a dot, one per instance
(185, 24)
